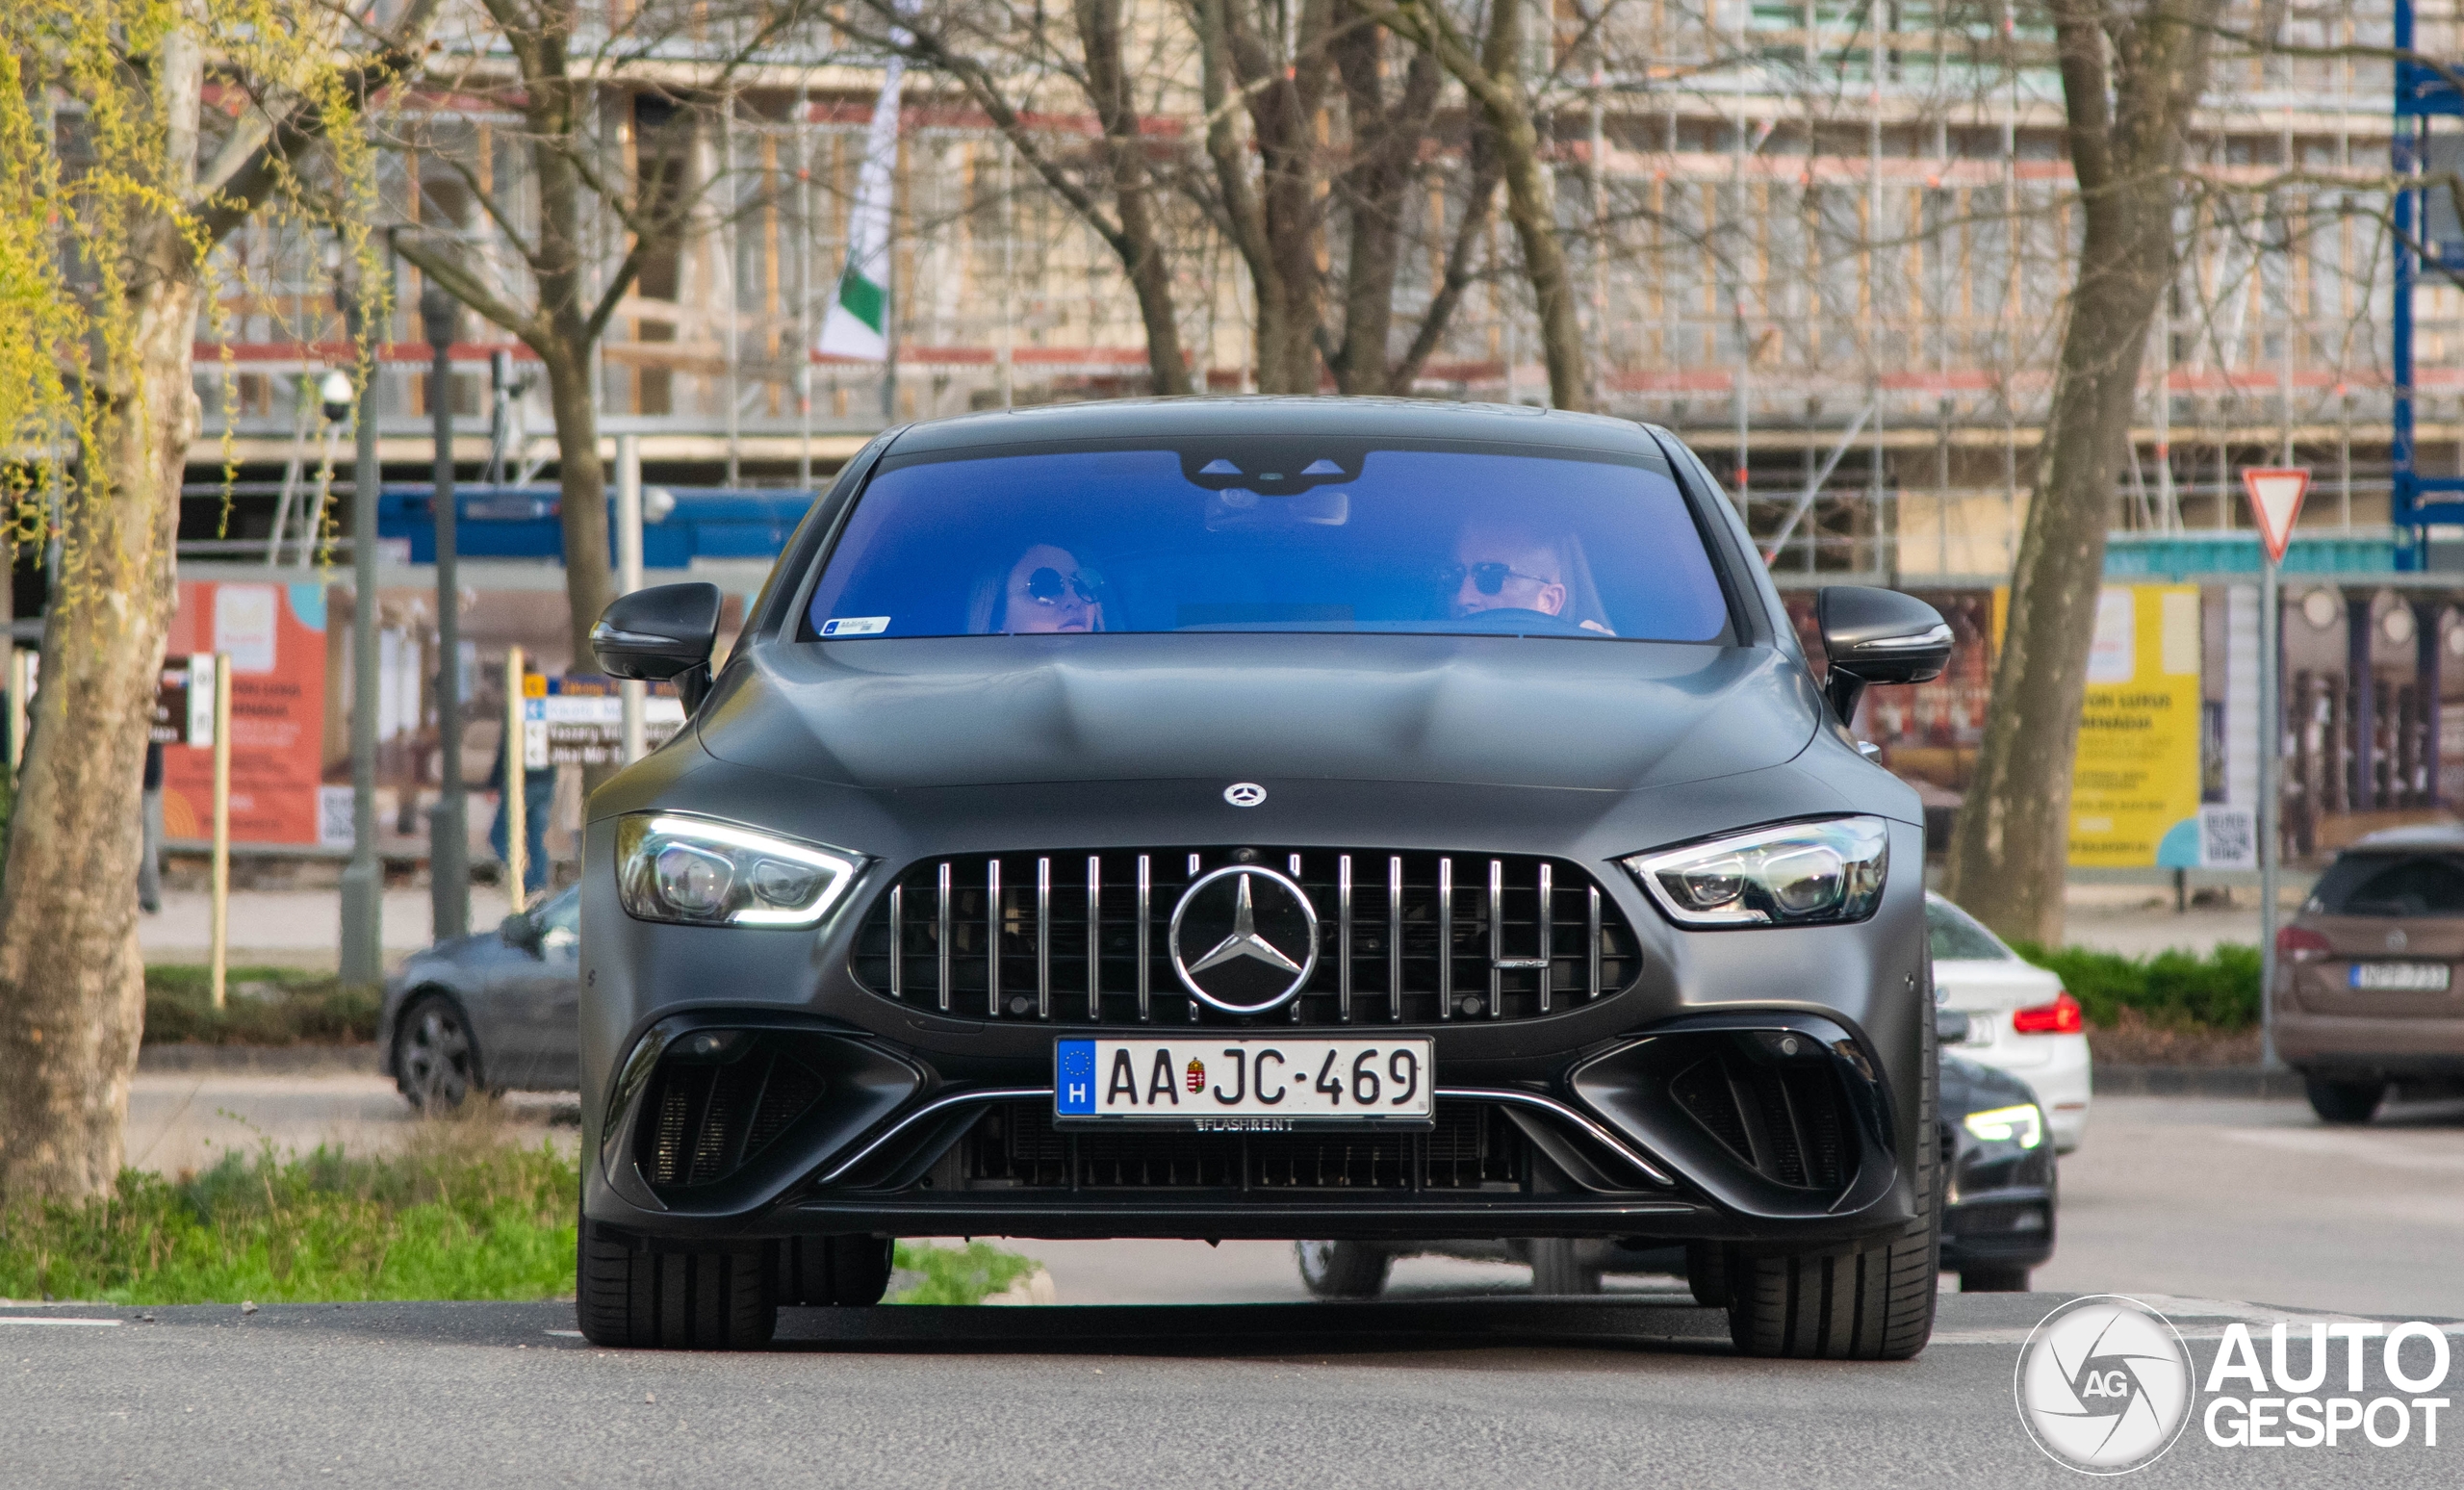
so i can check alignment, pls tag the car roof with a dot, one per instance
(2414, 836)
(1166, 418)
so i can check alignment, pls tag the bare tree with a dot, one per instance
(2133, 72)
(109, 259)
(1492, 76)
(1002, 60)
(689, 59)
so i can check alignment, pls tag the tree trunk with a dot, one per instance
(581, 480)
(1150, 277)
(1494, 80)
(72, 985)
(2009, 857)
(1386, 136)
(1278, 224)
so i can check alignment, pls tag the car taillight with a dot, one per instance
(2061, 1016)
(2300, 944)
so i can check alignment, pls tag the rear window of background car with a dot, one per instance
(2390, 885)
(1955, 937)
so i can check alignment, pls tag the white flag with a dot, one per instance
(858, 324)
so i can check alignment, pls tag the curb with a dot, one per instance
(257, 1059)
(2209, 1081)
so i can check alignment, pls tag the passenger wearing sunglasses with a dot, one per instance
(1048, 591)
(1500, 569)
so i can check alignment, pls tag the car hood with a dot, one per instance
(959, 711)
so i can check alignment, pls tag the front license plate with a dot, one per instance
(1244, 1085)
(2401, 977)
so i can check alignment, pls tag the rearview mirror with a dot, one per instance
(1877, 637)
(665, 632)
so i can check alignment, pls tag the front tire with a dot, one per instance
(633, 1299)
(2344, 1102)
(1343, 1270)
(436, 1059)
(1872, 1304)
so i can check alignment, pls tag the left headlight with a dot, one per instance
(1796, 874)
(701, 872)
(2022, 1125)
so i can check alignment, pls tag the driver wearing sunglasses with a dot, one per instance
(1501, 569)
(1048, 591)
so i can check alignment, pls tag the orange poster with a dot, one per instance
(275, 637)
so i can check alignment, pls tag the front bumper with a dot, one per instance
(727, 1127)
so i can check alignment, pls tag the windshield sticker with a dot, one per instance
(855, 625)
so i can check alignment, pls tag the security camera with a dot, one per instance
(336, 394)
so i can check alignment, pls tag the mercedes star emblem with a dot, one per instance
(1244, 795)
(1260, 933)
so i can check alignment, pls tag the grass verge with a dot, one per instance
(264, 1006)
(461, 1212)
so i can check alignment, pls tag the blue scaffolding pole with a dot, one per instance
(2422, 91)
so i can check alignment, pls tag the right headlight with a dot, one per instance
(1797, 874)
(702, 872)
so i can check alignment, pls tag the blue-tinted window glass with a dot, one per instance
(1375, 540)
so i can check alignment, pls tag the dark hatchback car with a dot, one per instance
(490, 1011)
(1264, 818)
(2366, 992)
(1997, 1213)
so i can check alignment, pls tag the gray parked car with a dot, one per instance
(493, 1011)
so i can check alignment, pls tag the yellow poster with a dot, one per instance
(2137, 771)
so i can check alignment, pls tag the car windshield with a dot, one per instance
(2383, 884)
(1243, 535)
(1955, 936)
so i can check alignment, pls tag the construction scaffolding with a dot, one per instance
(1827, 241)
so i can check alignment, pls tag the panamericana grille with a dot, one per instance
(1075, 936)
(1786, 1121)
(1474, 1146)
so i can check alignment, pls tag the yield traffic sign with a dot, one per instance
(2276, 495)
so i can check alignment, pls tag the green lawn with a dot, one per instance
(460, 1213)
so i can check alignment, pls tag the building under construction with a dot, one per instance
(1827, 243)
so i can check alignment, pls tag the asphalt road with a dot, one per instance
(1173, 1364)
(1506, 1392)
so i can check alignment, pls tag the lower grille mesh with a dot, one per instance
(1786, 1121)
(1473, 1146)
(707, 1120)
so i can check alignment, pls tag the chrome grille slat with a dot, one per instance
(1506, 944)
(1095, 938)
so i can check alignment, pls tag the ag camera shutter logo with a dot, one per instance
(2105, 1385)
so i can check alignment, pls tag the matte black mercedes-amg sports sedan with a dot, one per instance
(1265, 818)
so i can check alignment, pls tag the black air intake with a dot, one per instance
(1784, 1120)
(718, 1098)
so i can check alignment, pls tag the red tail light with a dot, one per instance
(2300, 944)
(2061, 1016)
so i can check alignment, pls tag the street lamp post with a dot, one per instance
(363, 884)
(448, 836)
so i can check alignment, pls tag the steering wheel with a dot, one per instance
(1516, 620)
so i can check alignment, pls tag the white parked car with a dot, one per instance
(2020, 1019)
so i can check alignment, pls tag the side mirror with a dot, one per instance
(666, 632)
(1950, 1026)
(1878, 636)
(519, 930)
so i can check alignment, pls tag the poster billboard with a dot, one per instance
(2135, 798)
(276, 636)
